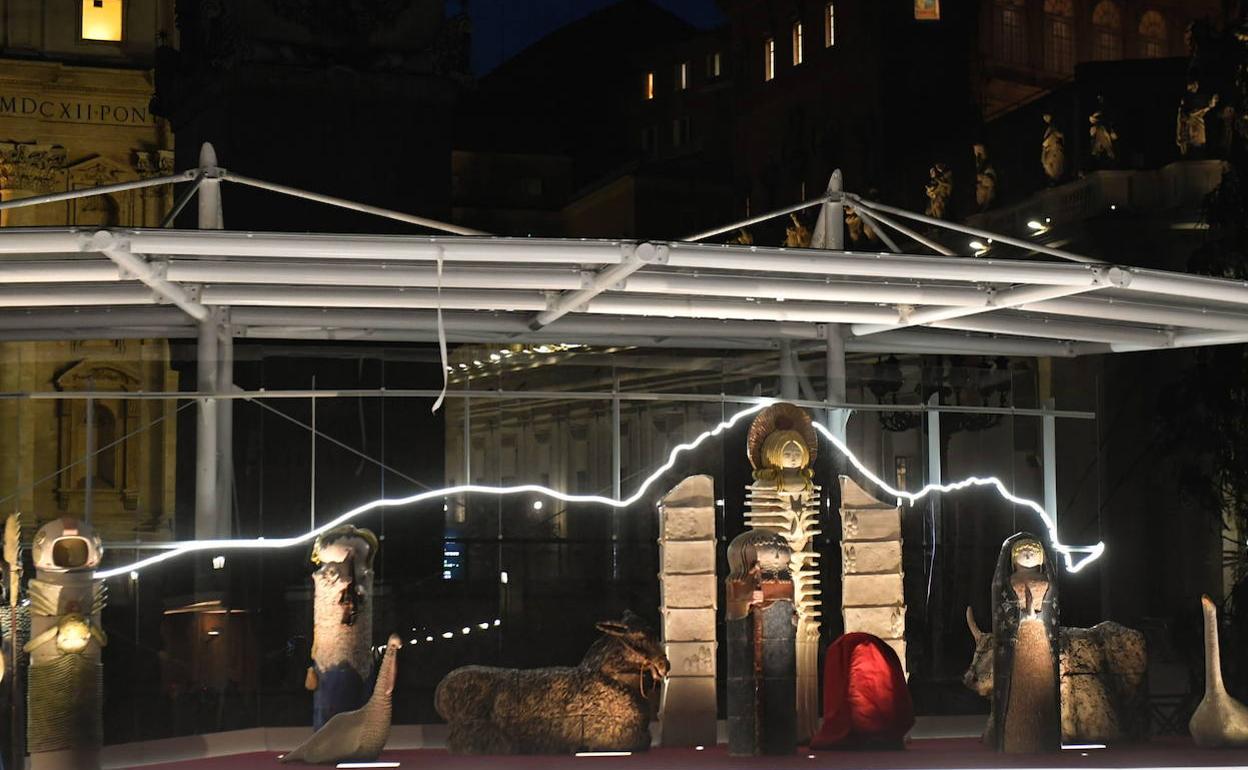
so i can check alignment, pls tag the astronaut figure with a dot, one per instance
(64, 717)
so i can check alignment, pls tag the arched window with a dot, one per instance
(104, 450)
(1009, 31)
(1059, 36)
(1106, 31)
(1153, 39)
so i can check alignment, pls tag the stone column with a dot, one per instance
(687, 712)
(872, 597)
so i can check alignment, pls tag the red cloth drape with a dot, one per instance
(865, 698)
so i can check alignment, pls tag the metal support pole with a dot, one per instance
(1050, 462)
(838, 418)
(312, 466)
(616, 478)
(207, 505)
(225, 427)
(92, 463)
(788, 373)
(207, 524)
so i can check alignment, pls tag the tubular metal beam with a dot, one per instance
(343, 203)
(755, 220)
(996, 301)
(107, 244)
(635, 258)
(876, 208)
(86, 192)
(908, 232)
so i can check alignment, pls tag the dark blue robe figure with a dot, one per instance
(341, 673)
(761, 626)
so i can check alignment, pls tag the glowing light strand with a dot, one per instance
(1091, 553)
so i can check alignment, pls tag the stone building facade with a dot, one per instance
(75, 88)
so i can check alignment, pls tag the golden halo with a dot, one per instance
(781, 416)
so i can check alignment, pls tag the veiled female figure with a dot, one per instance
(1026, 707)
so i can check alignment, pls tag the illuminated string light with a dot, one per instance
(1092, 552)
(172, 550)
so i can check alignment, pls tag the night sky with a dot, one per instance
(503, 28)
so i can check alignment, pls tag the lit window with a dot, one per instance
(713, 65)
(1059, 36)
(927, 10)
(1153, 35)
(101, 20)
(769, 59)
(829, 25)
(682, 76)
(797, 43)
(1106, 31)
(1009, 31)
(649, 86)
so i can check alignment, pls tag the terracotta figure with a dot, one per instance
(342, 619)
(65, 693)
(796, 234)
(759, 624)
(1219, 721)
(939, 189)
(1103, 136)
(360, 735)
(1190, 130)
(985, 178)
(782, 447)
(603, 704)
(1026, 711)
(1103, 672)
(1052, 151)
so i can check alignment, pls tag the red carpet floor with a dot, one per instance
(936, 753)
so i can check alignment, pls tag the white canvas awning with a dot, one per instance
(67, 283)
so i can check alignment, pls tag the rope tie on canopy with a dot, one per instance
(446, 364)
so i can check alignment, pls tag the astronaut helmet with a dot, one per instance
(66, 545)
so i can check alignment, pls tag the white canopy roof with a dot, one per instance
(67, 283)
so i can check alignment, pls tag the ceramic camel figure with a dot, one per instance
(358, 735)
(1219, 721)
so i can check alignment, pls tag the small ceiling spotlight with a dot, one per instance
(428, 638)
(980, 247)
(448, 635)
(483, 626)
(466, 629)
(537, 505)
(218, 562)
(1038, 227)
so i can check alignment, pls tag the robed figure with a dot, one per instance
(1026, 705)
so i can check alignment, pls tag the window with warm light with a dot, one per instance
(101, 20)
(682, 76)
(769, 59)
(1059, 36)
(1009, 31)
(829, 25)
(648, 89)
(1153, 35)
(1106, 31)
(797, 43)
(714, 65)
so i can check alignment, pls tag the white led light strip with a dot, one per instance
(1090, 553)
